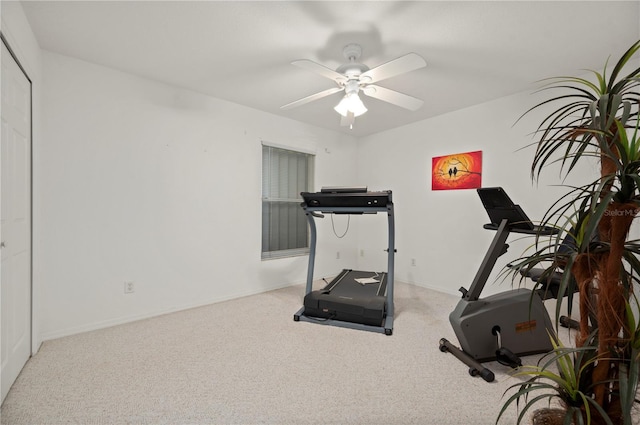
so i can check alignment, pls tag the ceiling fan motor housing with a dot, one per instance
(353, 69)
(351, 86)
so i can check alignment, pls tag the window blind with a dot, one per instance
(285, 173)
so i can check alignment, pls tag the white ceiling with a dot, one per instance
(241, 51)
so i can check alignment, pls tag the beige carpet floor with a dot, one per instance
(246, 361)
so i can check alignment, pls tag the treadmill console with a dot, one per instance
(346, 199)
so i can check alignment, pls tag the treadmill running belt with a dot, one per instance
(348, 297)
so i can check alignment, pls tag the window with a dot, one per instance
(285, 173)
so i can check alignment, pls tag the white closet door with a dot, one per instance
(15, 221)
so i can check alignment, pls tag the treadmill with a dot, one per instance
(355, 299)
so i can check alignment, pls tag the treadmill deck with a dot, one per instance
(352, 296)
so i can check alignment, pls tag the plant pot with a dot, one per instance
(549, 416)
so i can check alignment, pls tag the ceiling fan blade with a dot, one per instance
(311, 98)
(319, 69)
(347, 120)
(400, 99)
(401, 65)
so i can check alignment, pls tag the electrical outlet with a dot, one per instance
(129, 288)
(413, 261)
(337, 255)
(362, 252)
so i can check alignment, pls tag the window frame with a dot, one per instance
(266, 198)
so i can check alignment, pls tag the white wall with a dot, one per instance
(17, 32)
(442, 230)
(144, 182)
(139, 181)
(148, 183)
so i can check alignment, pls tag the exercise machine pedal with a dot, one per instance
(508, 358)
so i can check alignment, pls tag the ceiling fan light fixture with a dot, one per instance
(351, 102)
(354, 77)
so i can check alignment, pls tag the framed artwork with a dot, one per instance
(457, 171)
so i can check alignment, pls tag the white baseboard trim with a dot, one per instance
(150, 314)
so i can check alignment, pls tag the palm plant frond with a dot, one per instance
(598, 118)
(586, 110)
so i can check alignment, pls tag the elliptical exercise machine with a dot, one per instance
(507, 325)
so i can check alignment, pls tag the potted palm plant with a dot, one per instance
(564, 375)
(559, 376)
(595, 119)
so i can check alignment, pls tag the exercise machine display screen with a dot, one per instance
(499, 207)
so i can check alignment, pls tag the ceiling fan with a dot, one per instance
(354, 77)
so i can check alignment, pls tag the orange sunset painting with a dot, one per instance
(457, 171)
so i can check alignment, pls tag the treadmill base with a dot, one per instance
(386, 328)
